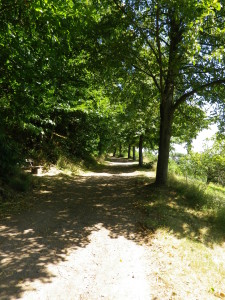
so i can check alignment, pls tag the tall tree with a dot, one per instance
(180, 46)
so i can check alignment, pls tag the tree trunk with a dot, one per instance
(120, 154)
(100, 148)
(140, 150)
(134, 157)
(114, 152)
(129, 150)
(166, 119)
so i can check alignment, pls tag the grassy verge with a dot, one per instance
(209, 200)
(188, 222)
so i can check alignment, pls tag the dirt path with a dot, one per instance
(80, 240)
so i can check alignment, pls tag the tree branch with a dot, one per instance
(149, 74)
(183, 98)
(140, 29)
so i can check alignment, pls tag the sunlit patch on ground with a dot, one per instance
(108, 268)
(128, 163)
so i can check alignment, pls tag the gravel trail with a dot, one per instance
(79, 240)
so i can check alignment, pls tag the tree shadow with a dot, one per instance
(66, 210)
(165, 208)
(64, 213)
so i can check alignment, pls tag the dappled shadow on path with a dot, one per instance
(65, 211)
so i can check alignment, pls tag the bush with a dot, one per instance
(174, 168)
(9, 156)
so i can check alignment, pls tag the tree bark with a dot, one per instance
(134, 157)
(166, 119)
(100, 152)
(129, 150)
(120, 149)
(141, 150)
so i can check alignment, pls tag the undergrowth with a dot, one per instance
(68, 164)
(75, 166)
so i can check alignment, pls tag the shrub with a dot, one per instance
(9, 156)
(174, 168)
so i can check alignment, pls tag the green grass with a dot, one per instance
(187, 220)
(69, 165)
(216, 188)
(192, 194)
(193, 210)
(76, 166)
